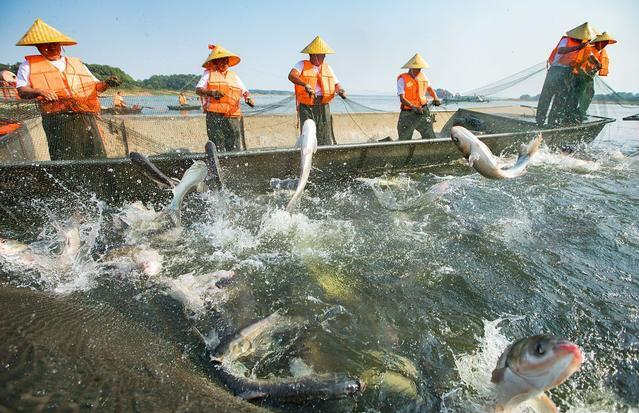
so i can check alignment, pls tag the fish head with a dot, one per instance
(198, 169)
(541, 362)
(463, 139)
(11, 247)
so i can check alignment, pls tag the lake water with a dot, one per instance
(386, 280)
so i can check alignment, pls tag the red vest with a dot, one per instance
(75, 87)
(229, 104)
(324, 78)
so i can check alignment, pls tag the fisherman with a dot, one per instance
(182, 99)
(118, 101)
(593, 60)
(8, 85)
(67, 93)
(222, 90)
(411, 89)
(560, 81)
(315, 86)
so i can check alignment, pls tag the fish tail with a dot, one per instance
(292, 202)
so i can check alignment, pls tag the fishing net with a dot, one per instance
(159, 124)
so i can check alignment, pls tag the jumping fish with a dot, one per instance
(310, 386)
(192, 178)
(307, 143)
(529, 367)
(482, 159)
(143, 258)
(214, 177)
(151, 171)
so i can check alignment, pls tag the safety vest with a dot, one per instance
(9, 91)
(229, 104)
(75, 87)
(311, 77)
(6, 127)
(605, 61)
(566, 59)
(182, 100)
(414, 89)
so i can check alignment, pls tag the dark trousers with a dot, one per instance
(410, 121)
(321, 114)
(581, 97)
(557, 87)
(73, 136)
(226, 133)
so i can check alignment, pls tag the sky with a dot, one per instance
(467, 43)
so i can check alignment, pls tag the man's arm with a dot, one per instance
(294, 77)
(564, 50)
(27, 92)
(433, 94)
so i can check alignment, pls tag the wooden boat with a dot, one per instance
(134, 110)
(117, 180)
(184, 107)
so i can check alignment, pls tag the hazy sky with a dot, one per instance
(467, 43)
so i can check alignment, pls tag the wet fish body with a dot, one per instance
(482, 159)
(292, 389)
(307, 143)
(531, 366)
(193, 177)
(143, 258)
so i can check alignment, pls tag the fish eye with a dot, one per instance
(540, 349)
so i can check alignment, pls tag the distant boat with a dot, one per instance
(457, 99)
(134, 110)
(184, 107)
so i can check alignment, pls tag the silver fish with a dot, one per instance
(531, 366)
(482, 159)
(293, 389)
(192, 178)
(214, 177)
(307, 143)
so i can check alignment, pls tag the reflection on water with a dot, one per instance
(398, 287)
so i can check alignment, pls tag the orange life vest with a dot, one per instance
(75, 87)
(414, 89)
(7, 127)
(605, 61)
(182, 100)
(9, 91)
(566, 59)
(311, 77)
(229, 104)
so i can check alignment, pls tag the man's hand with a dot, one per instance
(48, 95)
(309, 90)
(418, 109)
(342, 93)
(113, 81)
(250, 102)
(216, 94)
(437, 102)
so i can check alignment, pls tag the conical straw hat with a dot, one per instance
(582, 32)
(218, 52)
(40, 33)
(416, 62)
(318, 46)
(604, 37)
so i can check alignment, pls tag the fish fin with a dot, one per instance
(172, 213)
(543, 404)
(252, 395)
(498, 375)
(472, 158)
